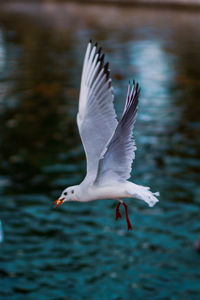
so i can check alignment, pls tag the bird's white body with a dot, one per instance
(109, 191)
(108, 144)
(86, 192)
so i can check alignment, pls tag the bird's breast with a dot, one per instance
(107, 192)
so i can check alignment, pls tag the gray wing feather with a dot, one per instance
(116, 160)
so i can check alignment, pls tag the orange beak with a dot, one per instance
(58, 202)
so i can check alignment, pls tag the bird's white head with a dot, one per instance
(69, 194)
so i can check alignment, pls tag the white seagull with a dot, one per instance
(109, 145)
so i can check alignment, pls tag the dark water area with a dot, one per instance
(79, 251)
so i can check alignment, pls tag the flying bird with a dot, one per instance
(109, 145)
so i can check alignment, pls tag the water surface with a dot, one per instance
(78, 251)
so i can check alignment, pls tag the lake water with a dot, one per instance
(79, 251)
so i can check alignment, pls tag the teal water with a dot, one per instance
(79, 251)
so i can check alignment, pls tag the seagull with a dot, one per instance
(109, 145)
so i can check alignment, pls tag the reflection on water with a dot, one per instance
(79, 250)
(1, 232)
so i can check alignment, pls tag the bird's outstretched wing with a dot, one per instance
(96, 116)
(116, 160)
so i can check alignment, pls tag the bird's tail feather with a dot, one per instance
(143, 193)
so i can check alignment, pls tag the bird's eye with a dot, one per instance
(72, 191)
(65, 193)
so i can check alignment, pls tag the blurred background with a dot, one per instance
(79, 251)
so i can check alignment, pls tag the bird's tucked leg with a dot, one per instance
(129, 225)
(118, 214)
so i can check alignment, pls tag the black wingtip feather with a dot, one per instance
(132, 100)
(101, 59)
(106, 66)
(106, 70)
(99, 51)
(107, 75)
